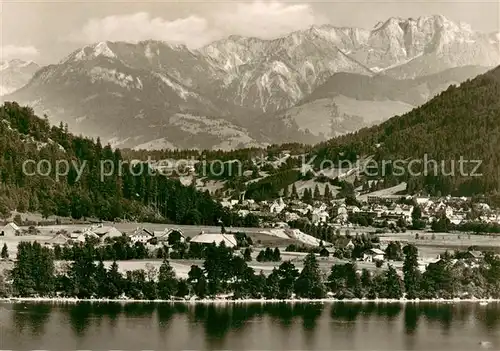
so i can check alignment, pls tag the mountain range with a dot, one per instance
(459, 129)
(15, 74)
(307, 86)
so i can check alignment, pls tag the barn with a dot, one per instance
(10, 229)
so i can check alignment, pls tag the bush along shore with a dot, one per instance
(224, 275)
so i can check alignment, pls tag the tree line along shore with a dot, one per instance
(224, 273)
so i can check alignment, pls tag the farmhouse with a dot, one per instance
(373, 255)
(141, 235)
(208, 238)
(81, 237)
(10, 229)
(58, 239)
(104, 232)
(277, 206)
(163, 236)
(474, 255)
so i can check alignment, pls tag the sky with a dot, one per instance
(47, 31)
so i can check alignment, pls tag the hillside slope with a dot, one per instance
(157, 95)
(462, 122)
(347, 102)
(85, 187)
(14, 74)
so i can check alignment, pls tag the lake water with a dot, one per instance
(328, 326)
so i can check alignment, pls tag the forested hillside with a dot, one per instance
(145, 196)
(461, 122)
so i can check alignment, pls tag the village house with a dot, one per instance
(320, 215)
(81, 237)
(421, 200)
(208, 238)
(226, 204)
(277, 206)
(353, 209)
(350, 245)
(162, 236)
(10, 229)
(58, 239)
(104, 232)
(99, 231)
(243, 213)
(424, 263)
(373, 255)
(291, 216)
(474, 255)
(141, 235)
(342, 215)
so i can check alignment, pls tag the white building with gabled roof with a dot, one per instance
(10, 229)
(277, 206)
(107, 232)
(162, 236)
(373, 255)
(141, 235)
(209, 238)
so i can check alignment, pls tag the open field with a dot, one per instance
(258, 235)
(182, 267)
(429, 248)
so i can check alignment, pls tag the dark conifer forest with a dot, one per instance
(98, 192)
(462, 122)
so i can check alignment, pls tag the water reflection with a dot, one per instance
(79, 317)
(219, 326)
(31, 317)
(411, 317)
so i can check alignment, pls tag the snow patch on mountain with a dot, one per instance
(179, 89)
(102, 49)
(98, 73)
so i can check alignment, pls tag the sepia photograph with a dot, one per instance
(250, 175)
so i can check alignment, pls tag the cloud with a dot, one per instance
(256, 19)
(191, 30)
(267, 19)
(9, 52)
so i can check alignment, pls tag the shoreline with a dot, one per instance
(245, 301)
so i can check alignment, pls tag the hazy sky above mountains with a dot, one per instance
(48, 31)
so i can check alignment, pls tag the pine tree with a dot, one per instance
(272, 285)
(412, 276)
(285, 192)
(197, 281)
(366, 280)
(101, 277)
(247, 254)
(287, 274)
(294, 194)
(307, 196)
(328, 193)
(309, 283)
(22, 273)
(83, 273)
(167, 283)
(276, 255)
(5, 252)
(115, 280)
(393, 285)
(317, 194)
